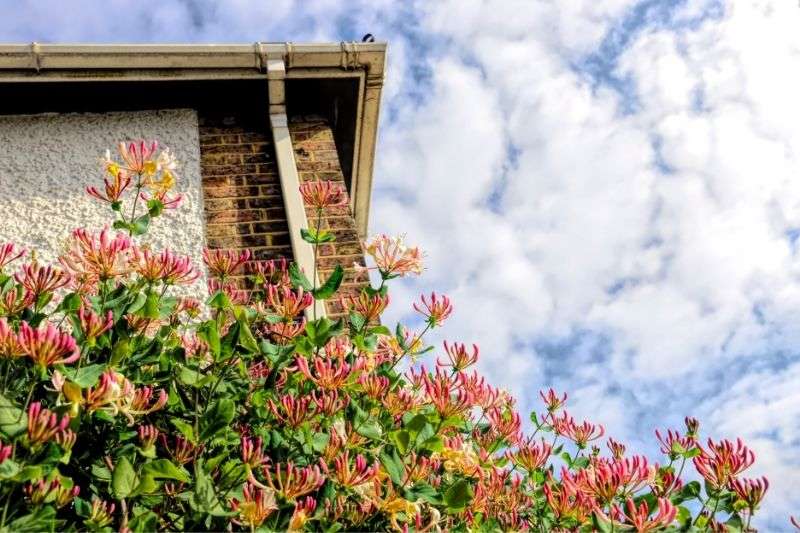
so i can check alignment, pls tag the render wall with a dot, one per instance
(47, 161)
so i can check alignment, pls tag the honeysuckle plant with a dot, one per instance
(126, 408)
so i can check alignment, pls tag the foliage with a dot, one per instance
(126, 408)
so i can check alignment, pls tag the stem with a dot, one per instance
(139, 186)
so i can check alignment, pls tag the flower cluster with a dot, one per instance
(126, 407)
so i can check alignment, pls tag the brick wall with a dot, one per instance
(243, 203)
(315, 152)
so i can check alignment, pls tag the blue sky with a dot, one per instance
(609, 190)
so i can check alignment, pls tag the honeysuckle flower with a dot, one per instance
(392, 257)
(328, 373)
(274, 272)
(190, 306)
(292, 482)
(182, 451)
(235, 295)
(321, 194)
(303, 509)
(605, 479)
(617, 449)
(419, 467)
(41, 279)
(448, 399)
(6, 451)
(38, 492)
(288, 303)
(14, 302)
(148, 434)
(459, 456)
(374, 386)
(566, 501)
(43, 424)
(252, 452)
(505, 423)
(10, 345)
(329, 402)
(256, 506)
(530, 455)
(116, 394)
(638, 517)
(168, 202)
(750, 491)
(114, 187)
(224, 263)
(92, 257)
(692, 427)
(722, 461)
(436, 310)
(673, 444)
(66, 439)
(9, 252)
(92, 326)
(457, 356)
(552, 400)
(665, 483)
(138, 157)
(167, 267)
(400, 401)
(352, 474)
(370, 307)
(291, 410)
(258, 371)
(47, 345)
(102, 513)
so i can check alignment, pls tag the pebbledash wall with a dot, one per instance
(48, 160)
(228, 177)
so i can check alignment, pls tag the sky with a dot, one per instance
(608, 190)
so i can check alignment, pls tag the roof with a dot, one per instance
(363, 63)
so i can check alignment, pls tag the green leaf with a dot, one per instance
(119, 224)
(70, 303)
(357, 321)
(458, 495)
(144, 523)
(154, 207)
(12, 419)
(299, 279)
(86, 376)
(219, 300)
(41, 519)
(209, 333)
(603, 526)
(433, 444)
(8, 469)
(401, 439)
(370, 429)
(138, 302)
(140, 225)
(331, 285)
(150, 307)
(394, 466)
(185, 428)
(124, 479)
(246, 339)
(165, 469)
(216, 418)
(203, 498)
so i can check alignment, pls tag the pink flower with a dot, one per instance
(148, 435)
(48, 345)
(552, 400)
(275, 272)
(43, 424)
(252, 452)
(291, 410)
(446, 396)
(436, 310)
(579, 434)
(114, 188)
(322, 194)
(102, 513)
(329, 402)
(183, 451)
(39, 280)
(14, 302)
(166, 267)
(236, 295)
(9, 342)
(5, 451)
(169, 202)
(224, 263)
(530, 455)
(328, 373)
(617, 449)
(303, 510)
(673, 444)
(370, 307)
(723, 461)
(392, 257)
(8, 253)
(458, 357)
(350, 475)
(288, 303)
(138, 156)
(92, 326)
(96, 257)
(751, 491)
(292, 482)
(639, 517)
(256, 506)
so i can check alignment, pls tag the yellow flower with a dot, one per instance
(149, 167)
(463, 459)
(164, 185)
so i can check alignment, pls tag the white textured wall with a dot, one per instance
(47, 161)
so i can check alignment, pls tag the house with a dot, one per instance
(247, 122)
